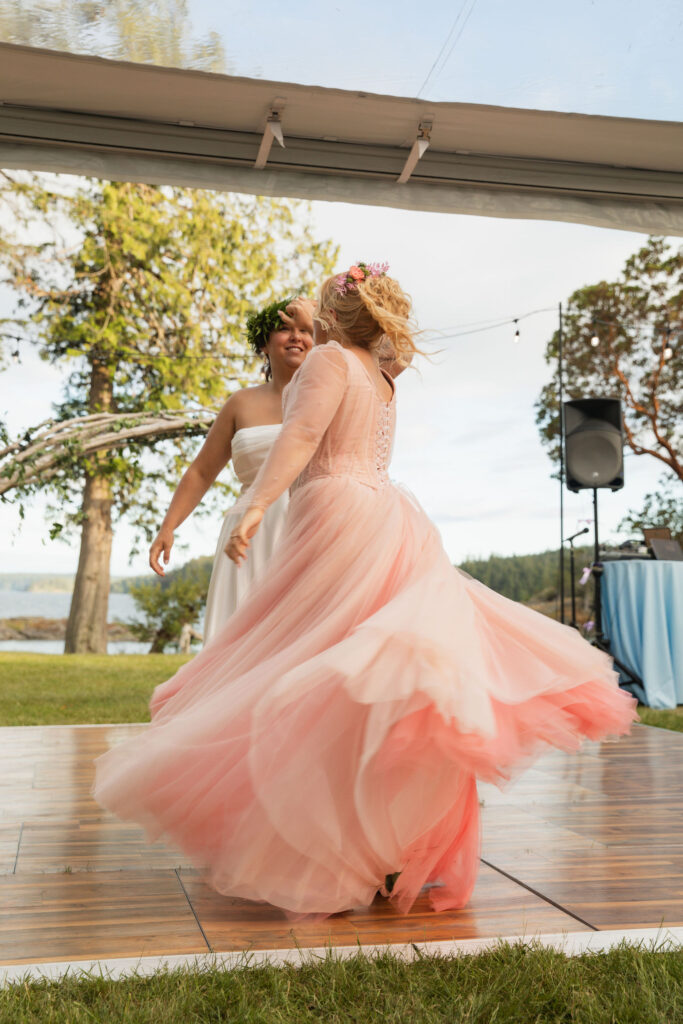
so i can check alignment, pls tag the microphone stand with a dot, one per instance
(570, 541)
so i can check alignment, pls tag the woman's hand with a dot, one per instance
(236, 548)
(162, 544)
(299, 313)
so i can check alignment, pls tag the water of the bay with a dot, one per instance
(40, 604)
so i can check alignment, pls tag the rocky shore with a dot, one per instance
(36, 628)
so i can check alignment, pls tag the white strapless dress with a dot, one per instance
(229, 585)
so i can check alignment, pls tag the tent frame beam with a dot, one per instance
(95, 133)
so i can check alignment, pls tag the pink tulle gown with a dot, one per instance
(332, 732)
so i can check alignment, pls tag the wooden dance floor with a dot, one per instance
(587, 842)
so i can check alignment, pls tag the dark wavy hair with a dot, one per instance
(261, 324)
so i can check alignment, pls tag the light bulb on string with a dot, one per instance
(15, 356)
(668, 351)
(516, 338)
(595, 337)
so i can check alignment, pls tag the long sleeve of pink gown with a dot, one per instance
(316, 393)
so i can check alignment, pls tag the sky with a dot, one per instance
(615, 57)
(466, 445)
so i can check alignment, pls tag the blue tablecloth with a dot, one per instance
(642, 606)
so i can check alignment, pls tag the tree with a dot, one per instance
(638, 323)
(147, 297)
(144, 31)
(660, 508)
(148, 294)
(167, 604)
(166, 609)
(522, 577)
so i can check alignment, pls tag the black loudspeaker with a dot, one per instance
(593, 443)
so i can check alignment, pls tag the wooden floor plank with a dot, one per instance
(497, 907)
(596, 835)
(9, 846)
(636, 887)
(95, 914)
(100, 844)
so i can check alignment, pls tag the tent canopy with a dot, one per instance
(138, 122)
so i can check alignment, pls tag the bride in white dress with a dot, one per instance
(244, 431)
(228, 586)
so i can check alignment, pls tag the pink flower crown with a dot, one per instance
(346, 282)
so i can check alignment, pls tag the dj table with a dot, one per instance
(642, 614)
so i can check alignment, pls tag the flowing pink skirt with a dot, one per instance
(333, 731)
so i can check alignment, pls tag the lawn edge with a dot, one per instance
(118, 968)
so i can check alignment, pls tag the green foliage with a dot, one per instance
(51, 689)
(261, 323)
(144, 31)
(196, 568)
(660, 508)
(507, 984)
(148, 303)
(165, 606)
(635, 317)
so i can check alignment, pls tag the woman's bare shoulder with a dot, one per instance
(246, 398)
(241, 401)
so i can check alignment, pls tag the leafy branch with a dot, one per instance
(56, 445)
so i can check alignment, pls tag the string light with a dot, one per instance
(460, 331)
(139, 357)
(668, 351)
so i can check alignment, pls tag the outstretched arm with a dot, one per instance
(213, 456)
(316, 393)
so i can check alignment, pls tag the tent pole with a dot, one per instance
(560, 374)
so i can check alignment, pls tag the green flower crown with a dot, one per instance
(262, 323)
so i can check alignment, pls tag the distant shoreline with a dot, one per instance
(38, 583)
(34, 627)
(63, 583)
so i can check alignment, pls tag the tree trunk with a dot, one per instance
(161, 639)
(86, 629)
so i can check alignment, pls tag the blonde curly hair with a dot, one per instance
(371, 314)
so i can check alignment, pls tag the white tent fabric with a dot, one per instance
(138, 122)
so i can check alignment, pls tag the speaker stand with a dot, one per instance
(600, 640)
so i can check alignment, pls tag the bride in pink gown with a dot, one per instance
(332, 732)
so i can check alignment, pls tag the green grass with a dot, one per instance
(58, 689)
(666, 718)
(78, 689)
(510, 984)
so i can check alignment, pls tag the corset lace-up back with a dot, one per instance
(359, 439)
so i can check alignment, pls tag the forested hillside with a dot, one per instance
(526, 577)
(520, 577)
(196, 568)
